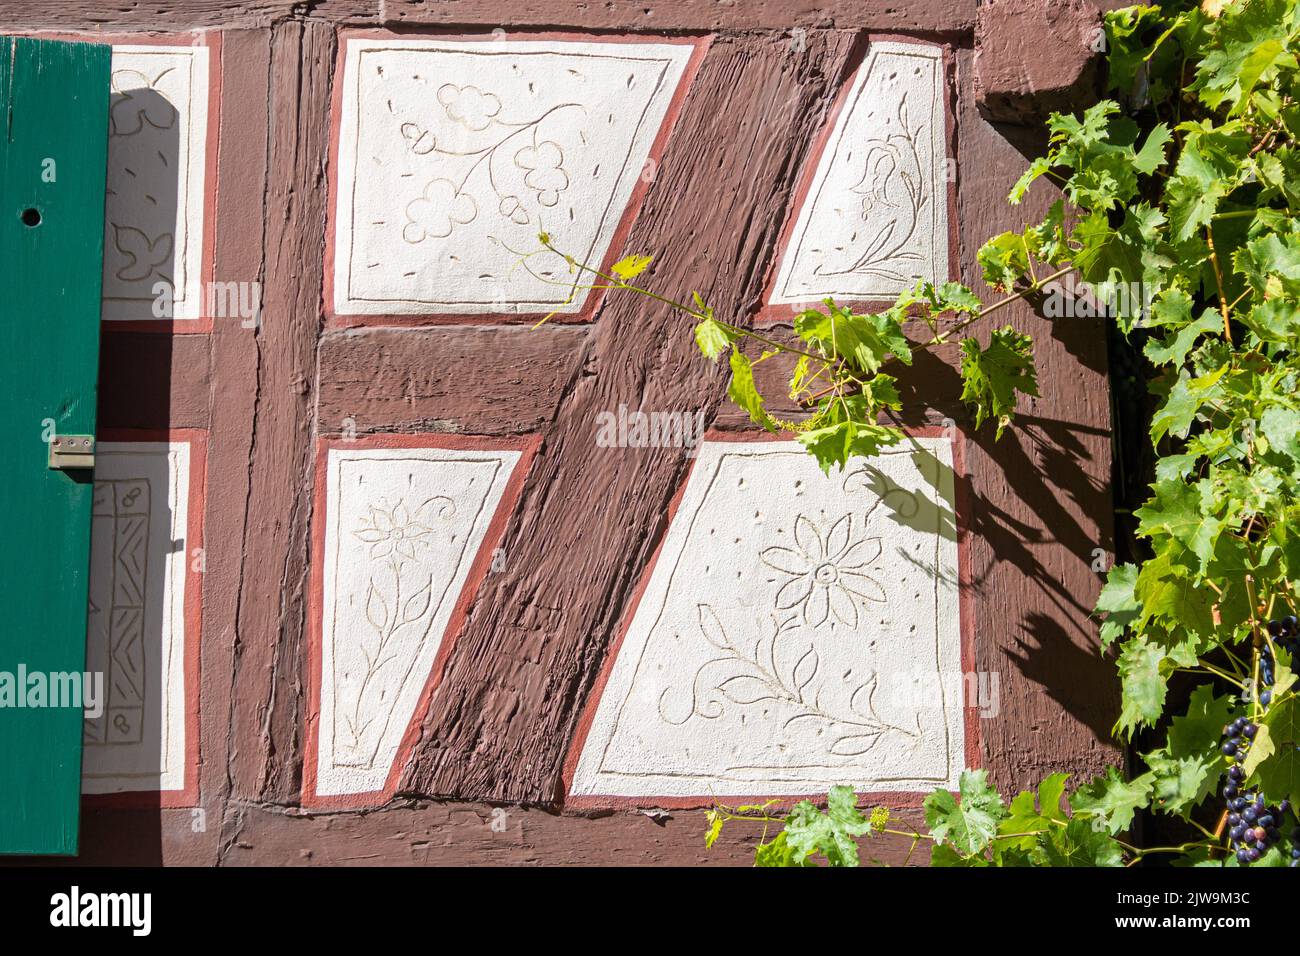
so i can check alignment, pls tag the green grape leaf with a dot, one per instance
(1118, 601)
(1078, 844)
(832, 834)
(744, 393)
(1261, 748)
(992, 376)
(1279, 774)
(834, 445)
(1185, 771)
(714, 338)
(1030, 812)
(970, 821)
(715, 821)
(1039, 167)
(1112, 799)
(778, 852)
(865, 341)
(629, 267)
(1142, 684)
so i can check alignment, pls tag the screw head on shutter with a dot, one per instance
(72, 451)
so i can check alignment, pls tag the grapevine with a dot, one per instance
(1180, 214)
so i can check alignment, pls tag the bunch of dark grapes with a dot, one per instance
(1285, 633)
(1253, 826)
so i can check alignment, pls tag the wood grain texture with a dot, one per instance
(1039, 500)
(477, 379)
(266, 723)
(948, 16)
(241, 190)
(589, 518)
(501, 720)
(423, 833)
(52, 248)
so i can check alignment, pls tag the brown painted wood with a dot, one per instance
(266, 721)
(951, 16)
(502, 717)
(947, 16)
(241, 185)
(147, 380)
(428, 833)
(477, 379)
(1039, 501)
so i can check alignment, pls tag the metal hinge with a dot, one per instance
(72, 451)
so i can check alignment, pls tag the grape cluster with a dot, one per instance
(1285, 633)
(1295, 847)
(1253, 826)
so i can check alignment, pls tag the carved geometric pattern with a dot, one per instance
(875, 217)
(153, 209)
(402, 529)
(454, 155)
(796, 630)
(136, 629)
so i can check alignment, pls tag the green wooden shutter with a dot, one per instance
(53, 147)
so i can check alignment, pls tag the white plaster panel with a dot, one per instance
(153, 209)
(875, 218)
(793, 634)
(402, 528)
(136, 620)
(454, 155)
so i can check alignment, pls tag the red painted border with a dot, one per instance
(769, 314)
(594, 298)
(528, 445)
(211, 40)
(901, 799)
(188, 796)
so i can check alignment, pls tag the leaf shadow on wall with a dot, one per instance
(1042, 461)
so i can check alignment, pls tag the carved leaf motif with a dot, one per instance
(711, 628)
(854, 745)
(745, 689)
(417, 603)
(806, 669)
(376, 608)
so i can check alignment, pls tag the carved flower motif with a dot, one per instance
(827, 573)
(881, 166)
(141, 255)
(514, 210)
(396, 531)
(136, 103)
(437, 211)
(469, 106)
(545, 165)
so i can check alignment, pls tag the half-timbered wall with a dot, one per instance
(381, 573)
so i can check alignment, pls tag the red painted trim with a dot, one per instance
(615, 251)
(901, 799)
(211, 40)
(188, 796)
(769, 314)
(528, 445)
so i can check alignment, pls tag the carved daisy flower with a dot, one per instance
(437, 211)
(469, 106)
(397, 531)
(827, 573)
(545, 165)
